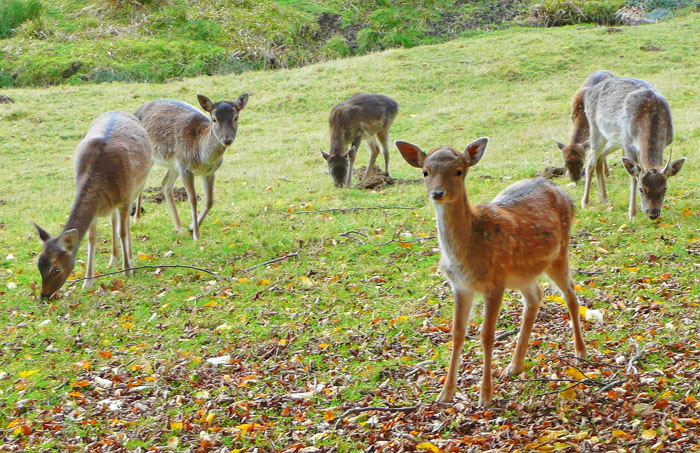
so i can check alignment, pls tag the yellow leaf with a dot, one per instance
(210, 417)
(602, 250)
(143, 256)
(619, 433)
(323, 345)
(282, 342)
(26, 374)
(211, 304)
(15, 422)
(582, 311)
(244, 428)
(243, 280)
(569, 394)
(574, 373)
(328, 416)
(633, 269)
(578, 287)
(264, 281)
(648, 434)
(306, 281)
(128, 325)
(428, 446)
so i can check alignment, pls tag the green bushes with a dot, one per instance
(552, 13)
(14, 12)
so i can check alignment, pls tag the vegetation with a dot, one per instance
(14, 12)
(354, 322)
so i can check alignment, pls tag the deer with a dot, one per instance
(631, 114)
(575, 152)
(189, 143)
(487, 248)
(112, 163)
(363, 116)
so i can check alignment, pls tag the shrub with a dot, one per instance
(337, 46)
(368, 40)
(14, 12)
(552, 13)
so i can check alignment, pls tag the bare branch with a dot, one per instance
(358, 410)
(357, 208)
(507, 334)
(150, 266)
(274, 260)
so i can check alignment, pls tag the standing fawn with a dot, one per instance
(630, 114)
(111, 164)
(575, 152)
(189, 144)
(487, 248)
(367, 116)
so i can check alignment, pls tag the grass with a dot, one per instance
(350, 316)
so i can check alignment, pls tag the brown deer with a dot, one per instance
(111, 165)
(487, 248)
(575, 152)
(189, 144)
(367, 116)
(630, 114)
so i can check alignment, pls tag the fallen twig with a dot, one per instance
(349, 234)
(589, 273)
(630, 365)
(507, 334)
(612, 384)
(418, 367)
(274, 260)
(357, 208)
(148, 266)
(358, 410)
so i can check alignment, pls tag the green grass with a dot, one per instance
(354, 317)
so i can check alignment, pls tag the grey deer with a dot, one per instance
(487, 248)
(575, 152)
(363, 116)
(631, 114)
(189, 144)
(112, 163)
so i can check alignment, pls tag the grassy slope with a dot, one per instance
(513, 86)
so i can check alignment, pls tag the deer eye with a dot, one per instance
(459, 172)
(56, 271)
(213, 120)
(425, 173)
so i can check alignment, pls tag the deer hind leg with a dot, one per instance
(463, 308)
(532, 299)
(384, 140)
(167, 187)
(373, 153)
(137, 214)
(606, 169)
(559, 273)
(124, 219)
(114, 258)
(91, 248)
(208, 184)
(188, 181)
(492, 306)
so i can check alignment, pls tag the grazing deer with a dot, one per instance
(487, 248)
(111, 164)
(630, 114)
(367, 116)
(575, 152)
(189, 144)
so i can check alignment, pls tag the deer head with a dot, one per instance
(652, 183)
(224, 116)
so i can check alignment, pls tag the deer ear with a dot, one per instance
(352, 151)
(68, 240)
(325, 155)
(411, 153)
(631, 166)
(242, 101)
(43, 234)
(475, 150)
(674, 167)
(205, 102)
(586, 144)
(560, 145)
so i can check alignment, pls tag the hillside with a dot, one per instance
(354, 322)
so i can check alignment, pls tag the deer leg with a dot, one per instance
(600, 176)
(208, 184)
(137, 214)
(589, 176)
(632, 209)
(384, 139)
(188, 180)
(373, 153)
(124, 218)
(488, 330)
(167, 187)
(532, 298)
(463, 308)
(91, 248)
(559, 273)
(114, 258)
(352, 154)
(606, 169)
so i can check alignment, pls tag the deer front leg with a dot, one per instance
(384, 139)
(373, 153)
(632, 209)
(167, 188)
(92, 244)
(488, 329)
(589, 176)
(352, 154)
(188, 181)
(208, 184)
(532, 298)
(600, 175)
(463, 308)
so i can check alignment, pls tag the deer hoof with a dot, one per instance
(446, 396)
(484, 400)
(511, 370)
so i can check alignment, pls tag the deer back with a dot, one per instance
(361, 115)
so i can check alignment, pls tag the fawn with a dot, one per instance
(630, 114)
(575, 152)
(367, 116)
(487, 248)
(112, 163)
(189, 144)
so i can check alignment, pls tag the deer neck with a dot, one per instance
(337, 142)
(84, 210)
(581, 130)
(454, 222)
(210, 146)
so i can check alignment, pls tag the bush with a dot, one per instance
(14, 12)
(337, 46)
(552, 13)
(368, 40)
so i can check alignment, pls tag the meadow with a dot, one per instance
(354, 319)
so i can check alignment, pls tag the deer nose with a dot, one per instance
(228, 141)
(437, 194)
(654, 213)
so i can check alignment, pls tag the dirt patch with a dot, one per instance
(551, 172)
(6, 99)
(377, 179)
(488, 15)
(156, 194)
(331, 25)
